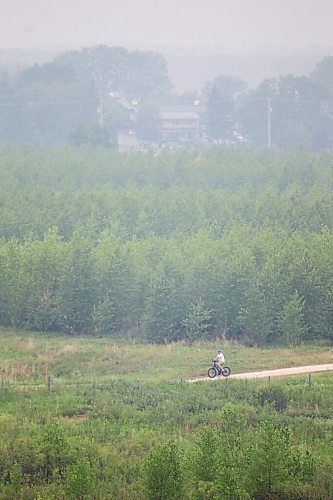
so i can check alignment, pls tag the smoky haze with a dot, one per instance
(251, 39)
(240, 25)
(122, 66)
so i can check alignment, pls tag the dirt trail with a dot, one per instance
(281, 372)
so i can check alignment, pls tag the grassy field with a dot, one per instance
(112, 403)
(84, 358)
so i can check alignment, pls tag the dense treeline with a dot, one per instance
(82, 169)
(87, 96)
(174, 246)
(53, 103)
(259, 284)
(140, 213)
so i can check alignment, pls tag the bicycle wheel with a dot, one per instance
(226, 371)
(212, 372)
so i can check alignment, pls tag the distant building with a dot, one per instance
(180, 124)
(128, 141)
(177, 126)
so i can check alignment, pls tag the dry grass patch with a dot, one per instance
(68, 349)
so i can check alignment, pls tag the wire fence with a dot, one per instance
(48, 384)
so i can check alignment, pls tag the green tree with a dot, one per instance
(16, 480)
(218, 462)
(163, 311)
(81, 480)
(136, 74)
(323, 74)
(296, 108)
(163, 473)
(198, 321)
(221, 96)
(112, 300)
(55, 448)
(52, 102)
(77, 286)
(94, 135)
(291, 321)
(273, 464)
(14, 281)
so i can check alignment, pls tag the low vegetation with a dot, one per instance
(119, 420)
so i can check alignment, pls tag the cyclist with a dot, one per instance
(219, 359)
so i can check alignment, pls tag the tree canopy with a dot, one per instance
(171, 246)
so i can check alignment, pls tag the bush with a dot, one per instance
(163, 473)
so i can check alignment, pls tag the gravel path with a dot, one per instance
(274, 373)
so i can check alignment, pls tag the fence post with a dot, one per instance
(49, 385)
(309, 378)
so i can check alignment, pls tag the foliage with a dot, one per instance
(79, 98)
(59, 101)
(163, 473)
(274, 396)
(55, 449)
(197, 323)
(323, 73)
(297, 108)
(171, 247)
(271, 458)
(93, 135)
(221, 95)
(292, 319)
(218, 459)
(107, 433)
(80, 479)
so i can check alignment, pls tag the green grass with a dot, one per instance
(115, 400)
(83, 358)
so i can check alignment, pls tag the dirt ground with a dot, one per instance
(282, 372)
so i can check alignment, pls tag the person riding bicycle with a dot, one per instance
(219, 359)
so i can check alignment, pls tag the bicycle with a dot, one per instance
(215, 370)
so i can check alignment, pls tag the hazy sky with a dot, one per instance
(230, 24)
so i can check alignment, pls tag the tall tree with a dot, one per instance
(288, 111)
(323, 75)
(220, 96)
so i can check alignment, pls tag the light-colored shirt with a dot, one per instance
(219, 357)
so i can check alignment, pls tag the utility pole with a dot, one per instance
(269, 110)
(100, 113)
